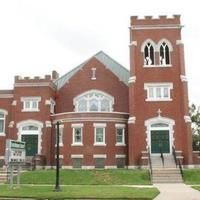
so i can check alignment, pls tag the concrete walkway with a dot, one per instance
(178, 191)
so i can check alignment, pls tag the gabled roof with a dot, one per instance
(121, 72)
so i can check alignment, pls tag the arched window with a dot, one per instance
(164, 52)
(94, 101)
(148, 49)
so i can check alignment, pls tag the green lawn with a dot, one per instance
(73, 192)
(196, 187)
(191, 176)
(88, 177)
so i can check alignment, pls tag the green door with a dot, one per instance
(31, 144)
(160, 141)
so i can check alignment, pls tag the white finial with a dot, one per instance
(159, 112)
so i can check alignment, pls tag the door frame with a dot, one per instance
(160, 120)
(36, 123)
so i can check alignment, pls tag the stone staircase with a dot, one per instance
(166, 172)
(3, 175)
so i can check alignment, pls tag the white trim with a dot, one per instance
(167, 42)
(164, 120)
(99, 125)
(120, 125)
(133, 166)
(179, 42)
(38, 84)
(77, 125)
(93, 119)
(6, 96)
(14, 103)
(77, 156)
(25, 99)
(149, 27)
(132, 79)
(187, 119)
(120, 156)
(152, 43)
(88, 167)
(2, 157)
(69, 113)
(106, 96)
(60, 156)
(110, 167)
(11, 124)
(48, 124)
(4, 112)
(183, 78)
(93, 74)
(154, 86)
(39, 124)
(131, 120)
(99, 156)
(103, 126)
(133, 43)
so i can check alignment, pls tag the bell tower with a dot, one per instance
(158, 99)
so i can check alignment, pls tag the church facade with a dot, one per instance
(109, 117)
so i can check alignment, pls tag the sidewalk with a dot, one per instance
(177, 191)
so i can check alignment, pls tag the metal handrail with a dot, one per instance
(162, 157)
(177, 161)
(150, 164)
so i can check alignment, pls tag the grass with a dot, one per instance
(196, 187)
(191, 176)
(88, 177)
(74, 192)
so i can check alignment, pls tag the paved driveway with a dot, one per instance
(178, 191)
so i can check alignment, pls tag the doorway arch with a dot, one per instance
(160, 135)
(30, 131)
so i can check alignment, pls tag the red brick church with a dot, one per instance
(110, 117)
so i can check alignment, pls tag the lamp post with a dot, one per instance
(57, 186)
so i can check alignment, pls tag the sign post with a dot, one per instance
(14, 158)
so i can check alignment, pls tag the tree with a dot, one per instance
(195, 117)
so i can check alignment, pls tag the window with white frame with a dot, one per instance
(77, 134)
(149, 54)
(30, 104)
(99, 134)
(164, 54)
(94, 101)
(52, 106)
(61, 130)
(2, 121)
(120, 134)
(158, 91)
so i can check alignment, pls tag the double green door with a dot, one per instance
(31, 144)
(160, 141)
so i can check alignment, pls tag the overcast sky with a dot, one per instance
(38, 36)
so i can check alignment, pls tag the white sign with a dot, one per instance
(15, 152)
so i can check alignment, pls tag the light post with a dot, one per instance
(57, 186)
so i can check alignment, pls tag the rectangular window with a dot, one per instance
(99, 134)
(77, 134)
(61, 128)
(121, 162)
(158, 91)
(52, 106)
(77, 163)
(99, 162)
(2, 123)
(30, 104)
(120, 135)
